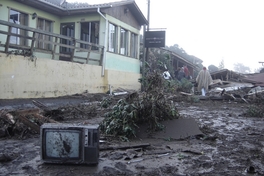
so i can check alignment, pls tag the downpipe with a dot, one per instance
(105, 42)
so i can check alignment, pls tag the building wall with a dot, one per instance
(122, 63)
(115, 61)
(4, 15)
(21, 77)
(120, 79)
(121, 14)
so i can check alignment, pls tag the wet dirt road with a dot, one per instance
(231, 145)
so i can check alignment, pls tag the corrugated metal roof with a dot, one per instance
(60, 7)
(256, 79)
(82, 5)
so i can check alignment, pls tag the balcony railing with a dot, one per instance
(54, 41)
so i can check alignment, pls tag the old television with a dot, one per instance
(69, 144)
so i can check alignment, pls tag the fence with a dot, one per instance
(51, 39)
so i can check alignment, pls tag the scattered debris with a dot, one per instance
(125, 147)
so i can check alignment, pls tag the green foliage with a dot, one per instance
(184, 85)
(255, 111)
(193, 99)
(106, 102)
(151, 107)
(121, 120)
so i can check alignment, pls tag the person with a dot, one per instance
(203, 80)
(186, 71)
(176, 73)
(181, 74)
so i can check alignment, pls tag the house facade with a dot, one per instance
(51, 48)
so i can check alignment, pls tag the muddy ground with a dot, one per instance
(232, 144)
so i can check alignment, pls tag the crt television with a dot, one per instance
(69, 144)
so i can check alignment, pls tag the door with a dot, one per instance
(67, 29)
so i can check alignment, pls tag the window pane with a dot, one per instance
(44, 25)
(134, 45)
(112, 38)
(18, 18)
(67, 30)
(89, 33)
(123, 42)
(85, 34)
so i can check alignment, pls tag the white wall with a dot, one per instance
(21, 77)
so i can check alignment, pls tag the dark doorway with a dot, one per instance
(67, 29)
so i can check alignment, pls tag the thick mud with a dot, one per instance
(232, 145)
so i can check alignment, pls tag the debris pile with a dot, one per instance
(22, 122)
(238, 87)
(27, 122)
(149, 107)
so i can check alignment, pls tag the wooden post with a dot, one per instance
(88, 54)
(33, 42)
(73, 50)
(54, 48)
(8, 39)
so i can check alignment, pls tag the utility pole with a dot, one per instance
(145, 55)
(147, 49)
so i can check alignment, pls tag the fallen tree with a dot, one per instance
(150, 107)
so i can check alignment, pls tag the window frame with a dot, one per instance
(92, 34)
(25, 22)
(44, 46)
(112, 38)
(134, 45)
(123, 46)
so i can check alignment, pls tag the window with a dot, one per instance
(112, 38)
(18, 18)
(44, 25)
(89, 33)
(67, 29)
(123, 41)
(134, 45)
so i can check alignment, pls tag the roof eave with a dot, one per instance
(57, 10)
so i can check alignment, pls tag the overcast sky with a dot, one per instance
(212, 30)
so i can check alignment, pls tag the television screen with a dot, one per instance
(62, 143)
(69, 143)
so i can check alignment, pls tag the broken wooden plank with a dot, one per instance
(184, 93)
(125, 147)
(40, 105)
(30, 124)
(230, 95)
(44, 119)
(27, 112)
(245, 100)
(119, 93)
